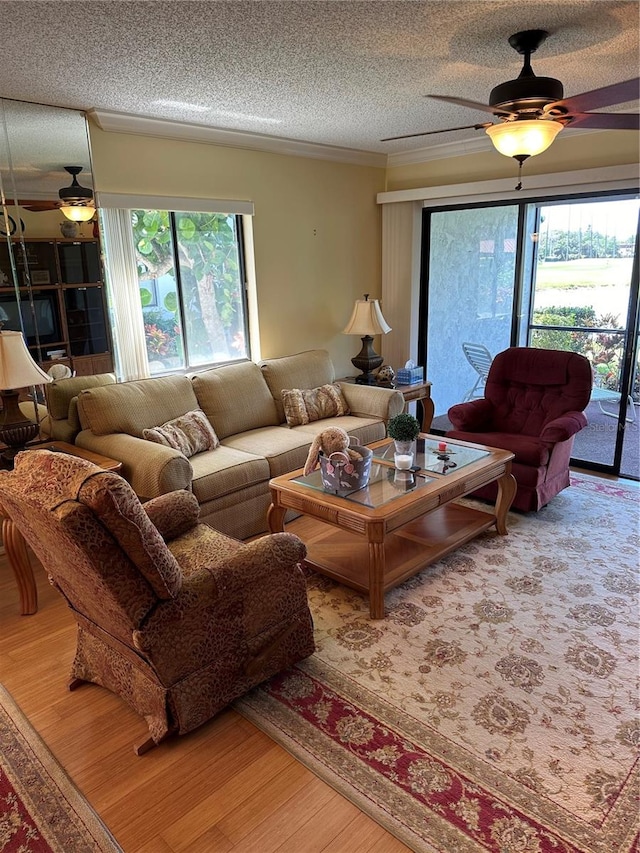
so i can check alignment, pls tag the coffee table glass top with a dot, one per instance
(439, 456)
(385, 484)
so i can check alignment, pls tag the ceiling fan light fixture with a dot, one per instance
(523, 138)
(75, 193)
(78, 212)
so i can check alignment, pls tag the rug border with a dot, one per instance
(51, 769)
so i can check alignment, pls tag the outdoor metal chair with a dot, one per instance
(604, 395)
(480, 359)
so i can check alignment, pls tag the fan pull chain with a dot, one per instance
(520, 158)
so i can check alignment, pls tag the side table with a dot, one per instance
(14, 545)
(419, 392)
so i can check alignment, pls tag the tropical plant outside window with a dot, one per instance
(192, 293)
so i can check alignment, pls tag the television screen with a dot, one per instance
(40, 313)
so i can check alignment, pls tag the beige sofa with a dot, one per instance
(243, 403)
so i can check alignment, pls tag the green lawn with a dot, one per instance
(587, 272)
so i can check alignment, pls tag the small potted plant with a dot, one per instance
(403, 429)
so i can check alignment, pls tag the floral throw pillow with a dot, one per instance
(190, 433)
(303, 407)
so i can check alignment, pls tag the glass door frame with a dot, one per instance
(523, 291)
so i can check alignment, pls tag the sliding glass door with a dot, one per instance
(553, 274)
(582, 300)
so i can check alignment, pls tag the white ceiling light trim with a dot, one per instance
(141, 125)
(136, 201)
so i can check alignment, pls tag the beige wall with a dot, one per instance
(316, 227)
(567, 154)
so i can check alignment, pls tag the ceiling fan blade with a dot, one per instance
(473, 105)
(607, 96)
(37, 205)
(607, 121)
(444, 130)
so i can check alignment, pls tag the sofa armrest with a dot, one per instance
(151, 469)
(474, 416)
(369, 401)
(173, 514)
(562, 428)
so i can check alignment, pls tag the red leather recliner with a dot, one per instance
(533, 406)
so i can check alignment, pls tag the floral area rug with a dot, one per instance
(40, 809)
(495, 708)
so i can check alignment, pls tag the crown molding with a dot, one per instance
(113, 122)
(626, 177)
(441, 151)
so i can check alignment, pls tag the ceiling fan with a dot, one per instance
(532, 110)
(76, 201)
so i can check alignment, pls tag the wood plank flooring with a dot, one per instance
(225, 787)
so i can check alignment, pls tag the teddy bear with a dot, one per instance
(330, 440)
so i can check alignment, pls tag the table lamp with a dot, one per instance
(367, 320)
(17, 370)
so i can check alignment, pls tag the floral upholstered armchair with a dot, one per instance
(172, 616)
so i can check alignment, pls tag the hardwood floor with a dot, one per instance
(225, 787)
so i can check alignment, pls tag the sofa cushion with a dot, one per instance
(225, 471)
(235, 398)
(363, 430)
(304, 370)
(62, 392)
(190, 433)
(283, 449)
(131, 407)
(304, 407)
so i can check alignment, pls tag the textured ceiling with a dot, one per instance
(339, 73)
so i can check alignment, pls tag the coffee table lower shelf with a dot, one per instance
(345, 556)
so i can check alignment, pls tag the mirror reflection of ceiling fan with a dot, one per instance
(76, 201)
(532, 110)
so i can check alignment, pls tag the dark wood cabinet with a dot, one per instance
(61, 306)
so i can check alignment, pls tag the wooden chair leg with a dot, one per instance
(144, 745)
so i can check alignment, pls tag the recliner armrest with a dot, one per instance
(260, 558)
(474, 416)
(173, 513)
(563, 427)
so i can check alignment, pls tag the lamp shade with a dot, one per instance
(78, 212)
(524, 138)
(17, 368)
(366, 319)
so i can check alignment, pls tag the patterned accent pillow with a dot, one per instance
(189, 433)
(303, 407)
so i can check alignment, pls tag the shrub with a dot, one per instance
(403, 427)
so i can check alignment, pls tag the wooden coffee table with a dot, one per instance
(13, 541)
(401, 522)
